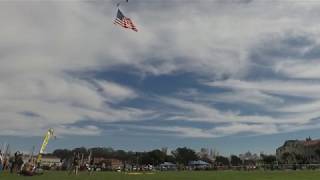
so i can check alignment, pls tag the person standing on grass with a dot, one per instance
(15, 162)
(19, 162)
(75, 164)
(91, 166)
(11, 164)
(1, 161)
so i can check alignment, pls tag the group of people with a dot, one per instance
(75, 166)
(16, 164)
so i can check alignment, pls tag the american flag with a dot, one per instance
(124, 21)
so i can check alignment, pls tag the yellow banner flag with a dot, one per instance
(45, 143)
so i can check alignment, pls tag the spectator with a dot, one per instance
(76, 164)
(11, 164)
(1, 161)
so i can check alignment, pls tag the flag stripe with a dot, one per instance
(124, 21)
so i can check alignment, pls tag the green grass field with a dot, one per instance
(211, 175)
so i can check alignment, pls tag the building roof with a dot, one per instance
(199, 162)
(307, 142)
(167, 164)
(311, 142)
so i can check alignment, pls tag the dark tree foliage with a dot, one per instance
(285, 157)
(157, 156)
(269, 159)
(222, 161)
(154, 157)
(184, 155)
(80, 150)
(170, 158)
(121, 155)
(317, 151)
(62, 153)
(102, 152)
(235, 161)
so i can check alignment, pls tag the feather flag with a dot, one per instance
(46, 139)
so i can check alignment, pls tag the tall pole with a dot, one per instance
(3, 147)
(82, 159)
(6, 156)
(7, 153)
(32, 152)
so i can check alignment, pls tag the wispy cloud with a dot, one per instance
(282, 87)
(299, 69)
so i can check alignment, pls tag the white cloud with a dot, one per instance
(31, 103)
(302, 107)
(283, 87)
(251, 97)
(41, 42)
(116, 92)
(87, 130)
(299, 69)
(220, 131)
(198, 112)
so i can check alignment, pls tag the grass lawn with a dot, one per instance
(209, 175)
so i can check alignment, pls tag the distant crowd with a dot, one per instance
(13, 164)
(30, 167)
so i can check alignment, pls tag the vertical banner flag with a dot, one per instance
(45, 143)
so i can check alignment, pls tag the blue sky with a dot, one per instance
(231, 75)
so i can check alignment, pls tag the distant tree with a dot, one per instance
(131, 157)
(317, 151)
(62, 153)
(102, 152)
(235, 160)
(157, 156)
(81, 150)
(298, 158)
(120, 154)
(184, 155)
(285, 157)
(222, 161)
(269, 159)
(170, 158)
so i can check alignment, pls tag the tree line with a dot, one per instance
(181, 156)
(154, 157)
